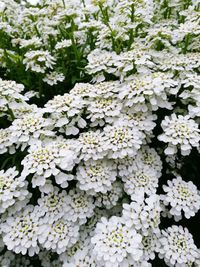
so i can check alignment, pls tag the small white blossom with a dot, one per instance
(13, 188)
(99, 61)
(53, 78)
(21, 232)
(143, 120)
(142, 178)
(34, 41)
(63, 44)
(143, 214)
(46, 160)
(6, 143)
(182, 197)
(179, 132)
(177, 247)
(122, 140)
(145, 156)
(80, 205)
(114, 242)
(150, 245)
(174, 61)
(38, 61)
(59, 236)
(83, 244)
(92, 145)
(141, 89)
(103, 110)
(30, 128)
(52, 206)
(82, 258)
(83, 90)
(66, 111)
(96, 175)
(110, 198)
(10, 94)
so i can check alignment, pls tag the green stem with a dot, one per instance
(64, 3)
(74, 46)
(131, 30)
(106, 22)
(187, 40)
(10, 112)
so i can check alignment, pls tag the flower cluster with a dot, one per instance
(179, 132)
(99, 133)
(177, 247)
(181, 196)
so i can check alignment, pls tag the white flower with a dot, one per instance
(66, 111)
(96, 175)
(54, 77)
(152, 88)
(92, 145)
(99, 61)
(103, 110)
(102, 90)
(174, 61)
(63, 44)
(30, 128)
(2, 6)
(150, 245)
(38, 61)
(105, 89)
(177, 247)
(138, 57)
(143, 120)
(80, 205)
(21, 232)
(46, 160)
(59, 236)
(52, 206)
(110, 198)
(82, 258)
(83, 90)
(6, 143)
(122, 140)
(22, 108)
(67, 103)
(143, 214)
(10, 94)
(114, 242)
(10, 91)
(12, 188)
(149, 157)
(34, 41)
(70, 254)
(146, 156)
(142, 178)
(69, 149)
(179, 132)
(182, 197)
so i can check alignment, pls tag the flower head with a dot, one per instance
(177, 246)
(179, 132)
(114, 242)
(182, 197)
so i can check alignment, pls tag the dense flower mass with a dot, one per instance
(177, 247)
(180, 131)
(181, 196)
(114, 243)
(99, 133)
